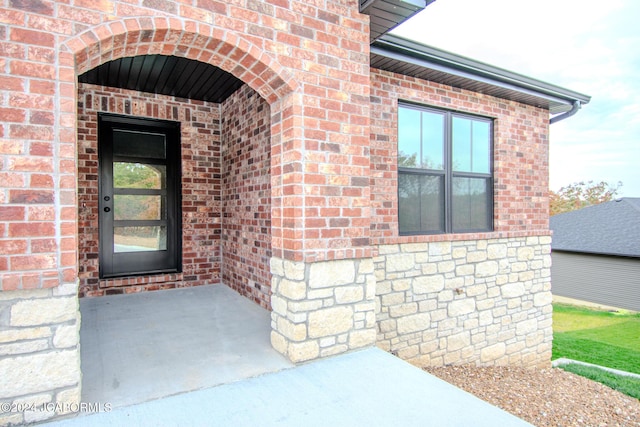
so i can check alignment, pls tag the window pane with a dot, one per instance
(408, 203)
(471, 209)
(139, 144)
(130, 207)
(421, 203)
(408, 137)
(471, 141)
(461, 136)
(432, 203)
(138, 175)
(432, 140)
(481, 162)
(139, 239)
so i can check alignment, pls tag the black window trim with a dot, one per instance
(448, 172)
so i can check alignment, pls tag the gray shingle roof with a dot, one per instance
(611, 228)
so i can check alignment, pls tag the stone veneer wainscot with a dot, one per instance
(323, 308)
(483, 302)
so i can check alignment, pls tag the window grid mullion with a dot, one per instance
(448, 188)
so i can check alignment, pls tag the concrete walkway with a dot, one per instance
(364, 388)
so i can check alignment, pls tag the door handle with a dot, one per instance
(107, 209)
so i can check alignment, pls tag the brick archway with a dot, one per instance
(197, 41)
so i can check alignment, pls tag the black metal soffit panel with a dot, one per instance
(402, 56)
(165, 75)
(388, 14)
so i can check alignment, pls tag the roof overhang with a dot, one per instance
(593, 253)
(403, 56)
(388, 14)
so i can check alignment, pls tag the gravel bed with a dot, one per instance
(545, 397)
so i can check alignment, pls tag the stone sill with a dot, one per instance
(430, 238)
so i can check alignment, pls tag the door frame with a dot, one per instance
(112, 264)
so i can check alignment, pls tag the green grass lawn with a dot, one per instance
(599, 337)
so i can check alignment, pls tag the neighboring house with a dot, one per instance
(596, 254)
(366, 189)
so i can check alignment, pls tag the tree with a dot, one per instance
(580, 195)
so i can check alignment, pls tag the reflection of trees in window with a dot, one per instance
(138, 175)
(407, 160)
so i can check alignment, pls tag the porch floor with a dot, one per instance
(140, 347)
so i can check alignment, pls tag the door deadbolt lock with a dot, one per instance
(107, 209)
(107, 198)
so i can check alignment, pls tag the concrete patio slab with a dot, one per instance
(364, 388)
(140, 347)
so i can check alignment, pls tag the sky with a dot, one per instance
(589, 46)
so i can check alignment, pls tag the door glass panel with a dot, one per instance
(136, 207)
(139, 175)
(139, 144)
(139, 239)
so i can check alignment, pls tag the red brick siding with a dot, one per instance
(309, 60)
(246, 195)
(521, 164)
(201, 187)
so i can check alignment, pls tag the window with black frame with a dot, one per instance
(445, 178)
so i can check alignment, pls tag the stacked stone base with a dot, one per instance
(39, 354)
(323, 308)
(482, 302)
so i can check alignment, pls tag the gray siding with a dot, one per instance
(600, 279)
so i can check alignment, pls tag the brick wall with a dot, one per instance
(246, 195)
(200, 183)
(521, 163)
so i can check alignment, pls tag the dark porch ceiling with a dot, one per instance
(166, 75)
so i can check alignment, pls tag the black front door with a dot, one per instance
(139, 163)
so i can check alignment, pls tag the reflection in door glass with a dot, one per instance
(139, 175)
(139, 239)
(128, 207)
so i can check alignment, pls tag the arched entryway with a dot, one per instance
(224, 179)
